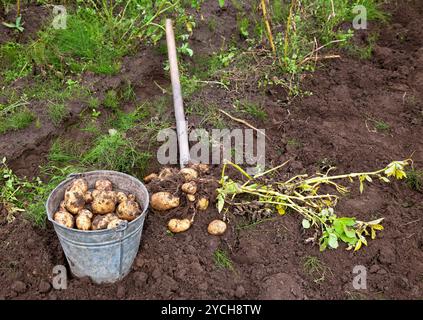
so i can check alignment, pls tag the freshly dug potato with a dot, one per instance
(104, 202)
(189, 187)
(216, 227)
(74, 200)
(202, 204)
(179, 225)
(191, 197)
(201, 167)
(163, 201)
(121, 197)
(103, 185)
(150, 177)
(165, 173)
(88, 197)
(101, 221)
(83, 219)
(79, 184)
(114, 223)
(62, 206)
(131, 197)
(64, 218)
(189, 174)
(128, 210)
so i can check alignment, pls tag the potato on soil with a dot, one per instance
(202, 204)
(179, 225)
(104, 202)
(216, 227)
(74, 200)
(189, 187)
(114, 223)
(189, 174)
(165, 173)
(163, 201)
(101, 221)
(201, 167)
(191, 197)
(121, 197)
(103, 185)
(79, 184)
(128, 210)
(83, 219)
(64, 218)
(150, 177)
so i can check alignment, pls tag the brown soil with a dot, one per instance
(335, 124)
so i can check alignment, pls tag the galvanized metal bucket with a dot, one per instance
(105, 256)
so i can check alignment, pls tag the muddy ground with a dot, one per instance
(334, 123)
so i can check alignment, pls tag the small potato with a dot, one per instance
(150, 177)
(189, 187)
(201, 167)
(163, 201)
(103, 185)
(132, 197)
(189, 174)
(114, 223)
(62, 206)
(128, 210)
(64, 218)
(179, 225)
(104, 202)
(202, 204)
(121, 197)
(216, 227)
(165, 173)
(85, 212)
(191, 197)
(88, 197)
(83, 222)
(74, 200)
(101, 221)
(79, 184)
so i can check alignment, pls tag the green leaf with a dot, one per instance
(349, 233)
(306, 224)
(221, 3)
(333, 241)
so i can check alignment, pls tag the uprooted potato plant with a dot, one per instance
(302, 194)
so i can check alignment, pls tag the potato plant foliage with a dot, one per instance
(301, 194)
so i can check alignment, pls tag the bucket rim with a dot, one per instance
(73, 176)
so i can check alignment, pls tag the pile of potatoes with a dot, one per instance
(163, 201)
(101, 208)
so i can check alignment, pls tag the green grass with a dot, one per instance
(111, 100)
(382, 126)
(116, 152)
(222, 260)
(57, 112)
(252, 109)
(83, 45)
(16, 121)
(315, 268)
(14, 63)
(126, 121)
(415, 179)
